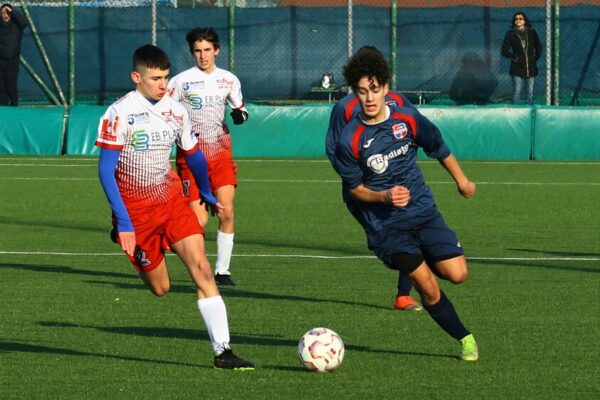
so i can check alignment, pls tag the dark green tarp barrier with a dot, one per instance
(275, 131)
(471, 132)
(566, 133)
(82, 129)
(486, 132)
(33, 131)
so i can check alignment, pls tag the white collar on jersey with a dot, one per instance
(387, 115)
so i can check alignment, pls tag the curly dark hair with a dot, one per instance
(367, 61)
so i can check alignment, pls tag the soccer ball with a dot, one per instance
(321, 349)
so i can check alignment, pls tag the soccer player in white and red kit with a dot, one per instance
(136, 136)
(205, 91)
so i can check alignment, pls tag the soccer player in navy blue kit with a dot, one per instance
(343, 111)
(376, 157)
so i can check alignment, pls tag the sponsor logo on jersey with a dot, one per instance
(379, 162)
(193, 85)
(170, 116)
(140, 140)
(400, 130)
(223, 83)
(195, 101)
(368, 144)
(107, 130)
(140, 118)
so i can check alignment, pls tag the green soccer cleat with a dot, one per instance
(470, 350)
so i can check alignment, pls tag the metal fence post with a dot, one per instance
(393, 40)
(232, 36)
(557, 52)
(71, 52)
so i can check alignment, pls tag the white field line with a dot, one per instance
(323, 181)
(94, 161)
(81, 254)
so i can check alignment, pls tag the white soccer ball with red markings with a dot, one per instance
(321, 349)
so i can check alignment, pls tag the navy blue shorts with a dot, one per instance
(432, 239)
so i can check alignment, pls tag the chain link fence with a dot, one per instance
(441, 51)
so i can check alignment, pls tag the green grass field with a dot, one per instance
(77, 323)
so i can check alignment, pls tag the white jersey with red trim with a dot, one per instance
(145, 134)
(205, 97)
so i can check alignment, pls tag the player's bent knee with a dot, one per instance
(452, 268)
(405, 262)
(459, 276)
(160, 291)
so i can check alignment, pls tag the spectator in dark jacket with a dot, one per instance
(523, 48)
(12, 25)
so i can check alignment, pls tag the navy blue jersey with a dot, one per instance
(345, 109)
(384, 155)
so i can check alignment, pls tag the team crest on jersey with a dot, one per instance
(140, 257)
(391, 103)
(400, 130)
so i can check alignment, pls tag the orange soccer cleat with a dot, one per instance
(407, 303)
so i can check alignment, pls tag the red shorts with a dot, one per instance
(156, 228)
(222, 171)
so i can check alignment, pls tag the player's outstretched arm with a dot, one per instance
(465, 187)
(197, 163)
(107, 163)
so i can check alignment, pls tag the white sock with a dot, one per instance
(214, 314)
(224, 250)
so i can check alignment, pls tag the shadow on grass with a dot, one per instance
(18, 347)
(193, 334)
(61, 269)
(268, 243)
(537, 264)
(244, 294)
(559, 253)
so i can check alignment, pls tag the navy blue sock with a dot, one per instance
(404, 284)
(445, 315)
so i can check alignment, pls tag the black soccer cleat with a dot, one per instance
(228, 360)
(224, 280)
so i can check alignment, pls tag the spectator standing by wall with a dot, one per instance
(523, 48)
(12, 25)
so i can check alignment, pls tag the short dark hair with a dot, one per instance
(367, 61)
(150, 56)
(208, 34)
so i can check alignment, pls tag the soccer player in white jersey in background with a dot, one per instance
(136, 135)
(205, 90)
